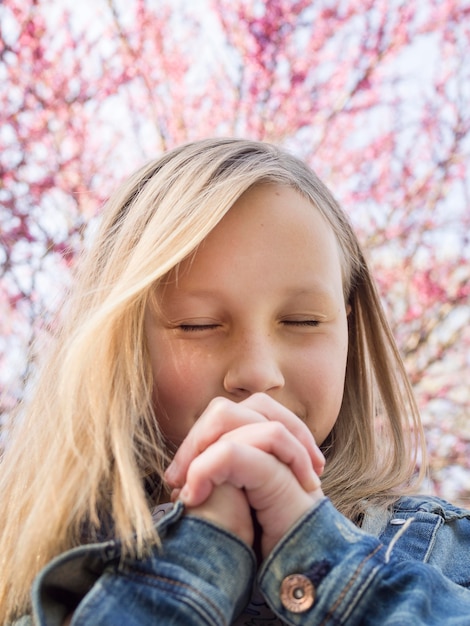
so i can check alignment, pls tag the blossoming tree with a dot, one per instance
(374, 94)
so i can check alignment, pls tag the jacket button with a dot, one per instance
(297, 593)
(397, 521)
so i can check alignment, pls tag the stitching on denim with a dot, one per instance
(318, 571)
(350, 584)
(177, 583)
(399, 534)
(440, 522)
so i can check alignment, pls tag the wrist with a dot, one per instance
(227, 507)
(275, 527)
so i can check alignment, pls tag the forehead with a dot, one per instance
(272, 228)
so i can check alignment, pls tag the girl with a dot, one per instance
(223, 345)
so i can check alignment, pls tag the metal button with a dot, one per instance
(297, 593)
(397, 521)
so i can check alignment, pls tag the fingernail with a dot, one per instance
(175, 495)
(315, 483)
(184, 494)
(170, 472)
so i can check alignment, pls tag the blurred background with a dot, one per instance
(374, 94)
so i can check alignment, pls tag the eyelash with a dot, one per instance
(187, 328)
(302, 322)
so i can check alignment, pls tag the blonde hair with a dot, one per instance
(87, 441)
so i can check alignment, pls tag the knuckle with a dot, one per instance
(215, 412)
(218, 405)
(227, 449)
(277, 429)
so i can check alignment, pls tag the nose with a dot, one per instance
(253, 366)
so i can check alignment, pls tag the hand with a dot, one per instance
(223, 415)
(257, 446)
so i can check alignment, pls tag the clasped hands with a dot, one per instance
(249, 455)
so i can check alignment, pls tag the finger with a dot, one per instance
(230, 462)
(275, 411)
(275, 439)
(220, 416)
(245, 467)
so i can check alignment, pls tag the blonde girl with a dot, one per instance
(224, 318)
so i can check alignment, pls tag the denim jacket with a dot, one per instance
(410, 566)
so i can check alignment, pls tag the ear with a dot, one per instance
(348, 309)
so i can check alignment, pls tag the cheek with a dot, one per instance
(322, 366)
(176, 380)
(322, 379)
(182, 389)
(174, 398)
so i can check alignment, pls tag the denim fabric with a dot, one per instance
(157, 589)
(410, 575)
(416, 572)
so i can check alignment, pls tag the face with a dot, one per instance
(258, 308)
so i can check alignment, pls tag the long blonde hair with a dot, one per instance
(86, 441)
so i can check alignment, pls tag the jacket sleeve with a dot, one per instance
(327, 571)
(200, 575)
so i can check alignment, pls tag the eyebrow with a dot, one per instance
(313, 289)
(294, 291)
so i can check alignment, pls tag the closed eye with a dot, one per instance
(301, 322)
(188, 328)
